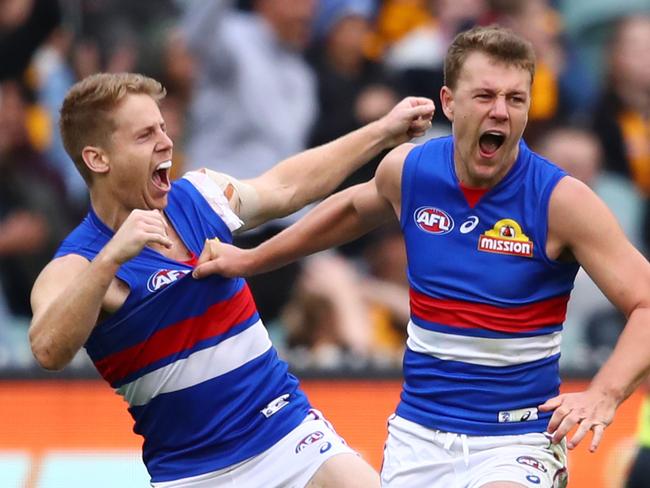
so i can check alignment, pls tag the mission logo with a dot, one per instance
(506, 237)
(433, 220)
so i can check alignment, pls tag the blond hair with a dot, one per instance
(87, 110)
(497, 42)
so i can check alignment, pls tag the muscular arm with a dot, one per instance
(581, 223)
(66, 300)
(342, 217)
(315, 173)
(70, 292)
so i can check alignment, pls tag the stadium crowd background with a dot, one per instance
(250, 82)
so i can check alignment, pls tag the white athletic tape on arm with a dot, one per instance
(213, 194)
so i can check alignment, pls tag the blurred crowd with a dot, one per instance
(251, 82)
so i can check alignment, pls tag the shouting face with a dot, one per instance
(488, 109)
(138, 157)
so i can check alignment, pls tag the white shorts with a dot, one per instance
(418, 457)
(290, 463)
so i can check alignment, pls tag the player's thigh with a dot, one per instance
(345, 470)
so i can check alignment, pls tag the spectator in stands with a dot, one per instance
(592, 324)
(255, 96)
(24, 26)
(327, 319)
(622, 119)
(563, 89)
(352, 90)
(32, 206)
(254, 102)
(417, 56)
(351, 312)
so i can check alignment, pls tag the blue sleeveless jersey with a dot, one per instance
(487, 304)
(191, 357)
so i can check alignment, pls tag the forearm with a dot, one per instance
(630, 362)
(334, 222)
(317, 172)
(61, 327)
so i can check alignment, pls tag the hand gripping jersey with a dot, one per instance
(487, 304)
(191, 357)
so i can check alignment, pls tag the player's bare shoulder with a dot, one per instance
(55, 277)
(389, 173)
(65, 271)
(572, 208)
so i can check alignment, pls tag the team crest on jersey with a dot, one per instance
(433, 220)
(164, 277)
(506, 237)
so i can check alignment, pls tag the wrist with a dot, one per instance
(106, 259)
(614, 393)
(381, 135)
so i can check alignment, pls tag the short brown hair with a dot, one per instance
(497, 42)
(86, 113)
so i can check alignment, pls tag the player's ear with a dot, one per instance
(447, 102)
(95, 158)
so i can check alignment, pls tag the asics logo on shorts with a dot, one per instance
(326, 446)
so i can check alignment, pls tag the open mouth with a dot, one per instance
(490, 142)
(160, 175)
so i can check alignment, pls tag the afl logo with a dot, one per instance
(433, 220)
(164, 277)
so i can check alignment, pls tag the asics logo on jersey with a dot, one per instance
(506, 237)
(310, 439)
(469, 225)
(433, 220)
(164, 277)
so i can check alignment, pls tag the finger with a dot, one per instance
(206, 269)
(420, 126)
(155, 222)
(206, 252)
(160, 239)
(551, 404)
(556, 419)
(599, 430)
(568, 423)
(420, 101)
(583, 428)
(421, 111)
